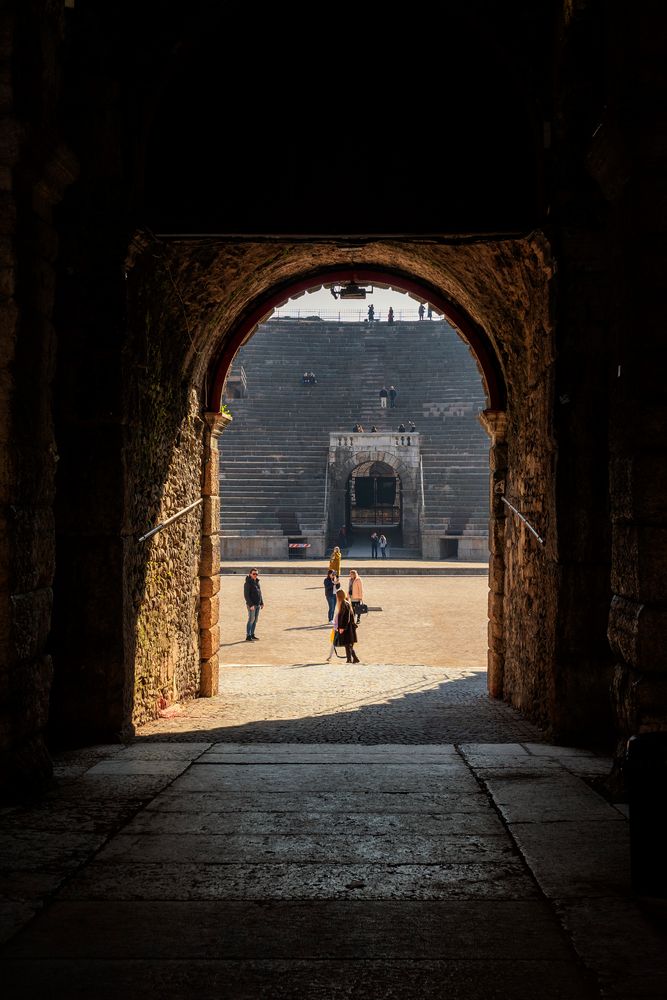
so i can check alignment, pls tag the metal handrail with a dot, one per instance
(326, 490)
(421, 476)
(170, 520)
(349, 315)
(528, 525)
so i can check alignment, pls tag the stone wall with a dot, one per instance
(253, 547)
(35, 167)
(628, 158)
(164, 456)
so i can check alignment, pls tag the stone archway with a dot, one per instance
(226, 294)
(583, 433)
(346, 451)
(399, 453)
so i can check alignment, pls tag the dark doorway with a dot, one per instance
(374, 498)
(449, 548)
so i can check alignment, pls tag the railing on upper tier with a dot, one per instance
(349, 314)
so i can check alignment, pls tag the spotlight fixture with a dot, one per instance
(351, 291)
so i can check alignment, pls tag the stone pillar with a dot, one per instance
(35, 169)
(494, 423)
(209, 566)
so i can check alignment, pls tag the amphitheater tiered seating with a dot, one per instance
(274, 453)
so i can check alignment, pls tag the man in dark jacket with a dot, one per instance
(330, 594)
(252, 593)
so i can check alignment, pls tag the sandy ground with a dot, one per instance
(435, 621)
(422, 676)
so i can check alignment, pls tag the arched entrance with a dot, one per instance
(400, 519)
(161, 331)
(521, 443)
(374, 501)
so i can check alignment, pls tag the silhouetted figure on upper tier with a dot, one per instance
(390, 315)
(371, 313)
(421, 310)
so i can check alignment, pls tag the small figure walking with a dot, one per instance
(371, 313)
(429, 311)
(383, 397)
(392, 396)
(421, 310)
(390, 315)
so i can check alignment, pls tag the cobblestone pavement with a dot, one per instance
(422, 678)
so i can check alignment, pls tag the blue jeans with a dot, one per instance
(374, 550)
(331, 601)
(253, 615)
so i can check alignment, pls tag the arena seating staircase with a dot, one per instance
(274, 453)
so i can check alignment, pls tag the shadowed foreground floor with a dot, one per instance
(295, 870)
(331, 831)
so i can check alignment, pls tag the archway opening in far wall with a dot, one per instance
(374, 501)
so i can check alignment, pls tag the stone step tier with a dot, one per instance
(274, 453)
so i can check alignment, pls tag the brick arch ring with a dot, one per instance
(473, 334)
(364, 457)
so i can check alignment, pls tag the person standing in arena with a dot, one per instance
(252, 592)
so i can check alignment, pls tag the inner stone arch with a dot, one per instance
(500, 294)
(486, 353)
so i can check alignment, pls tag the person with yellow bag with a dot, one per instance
(344, 632)
(334, 630)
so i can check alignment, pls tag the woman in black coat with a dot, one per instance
(346, 627)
